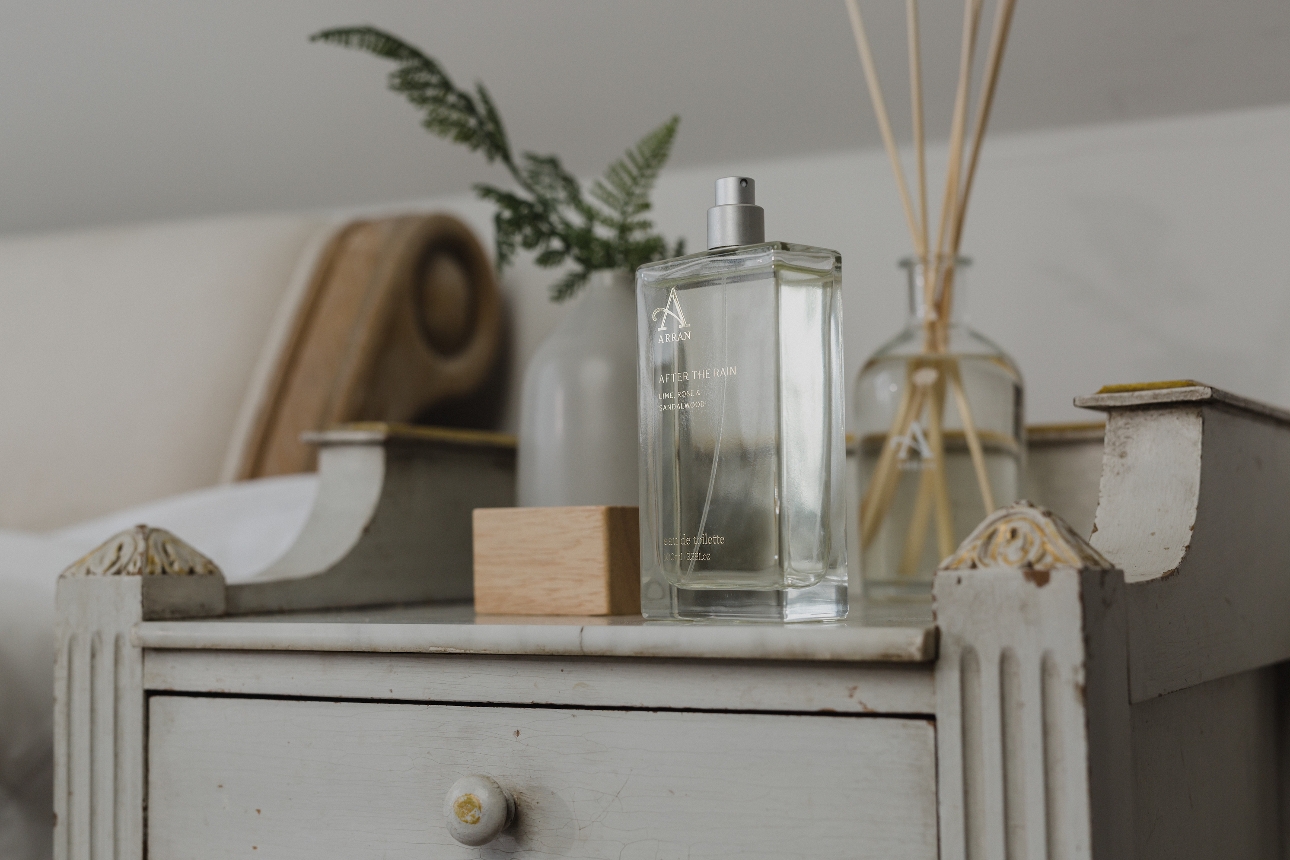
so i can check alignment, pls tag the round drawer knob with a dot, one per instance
(477, 809)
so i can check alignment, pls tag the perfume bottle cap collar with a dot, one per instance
(736, 219)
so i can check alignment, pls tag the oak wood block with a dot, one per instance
(557, 561)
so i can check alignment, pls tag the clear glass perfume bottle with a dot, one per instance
(742, 477)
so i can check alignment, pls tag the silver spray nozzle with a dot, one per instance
(736, 219)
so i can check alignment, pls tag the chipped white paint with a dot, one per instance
(1150, 489)
(391, 522)
(143, 551)
(1195, 486)
(1026, 537)
(1077, 715)
(341, 780)
(1032, 702)
(746, 685)
(450, 630)
(98, 683)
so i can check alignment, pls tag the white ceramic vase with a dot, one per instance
(578, 439)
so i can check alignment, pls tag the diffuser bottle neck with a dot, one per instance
(946, 274)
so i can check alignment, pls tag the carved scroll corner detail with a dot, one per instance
(143, 551)
(1027, 537)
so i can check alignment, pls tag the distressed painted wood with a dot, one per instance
(98, 683)
(1080, 712)
(1032, 709)
(1195, 486)
(582, 560)
(1206, 765)
(392, 522)
(1063, 465)
(454, 629)
(323, 780)
(744, 685)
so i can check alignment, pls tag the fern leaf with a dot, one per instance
(548, 214)
(547, 177)
(626, 185)
(517, 223)
(448, 111)
(569, 284)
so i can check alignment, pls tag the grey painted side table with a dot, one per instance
(1118, 699)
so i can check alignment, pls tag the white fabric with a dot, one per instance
(242, 527)
(29, 565)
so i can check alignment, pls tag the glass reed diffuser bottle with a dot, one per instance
(939, 413)
(742, 459)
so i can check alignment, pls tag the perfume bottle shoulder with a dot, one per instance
(679, 271)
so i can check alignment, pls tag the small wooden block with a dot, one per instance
(557, 561)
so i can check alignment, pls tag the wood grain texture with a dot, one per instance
(329, 780)
(557, 561)
(742, 685)
(400, 314)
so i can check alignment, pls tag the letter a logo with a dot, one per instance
(916, 440)
(671, 309)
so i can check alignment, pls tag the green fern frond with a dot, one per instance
(549, 215)
(547, 178)
(448, 112)
(627, 183)
(567, 286)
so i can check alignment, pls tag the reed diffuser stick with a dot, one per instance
(932, 488)
(941, 491)
(971, 20)
(916, 537)
(993, 61)
(880, 109)
(973, 439)
(932, 380)
(916, 108)
(943, 271)
(882, 485)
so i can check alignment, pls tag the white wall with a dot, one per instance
(1145, 251)
(136, 110)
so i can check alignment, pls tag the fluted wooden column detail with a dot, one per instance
(99, 706)
(1033, 745)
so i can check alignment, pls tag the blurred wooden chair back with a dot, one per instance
(401, 320)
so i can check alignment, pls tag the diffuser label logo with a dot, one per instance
(914, 440)
(671, 309)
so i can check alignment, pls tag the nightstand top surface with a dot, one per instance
(896, 635)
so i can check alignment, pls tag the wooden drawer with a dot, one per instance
(264, 778)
